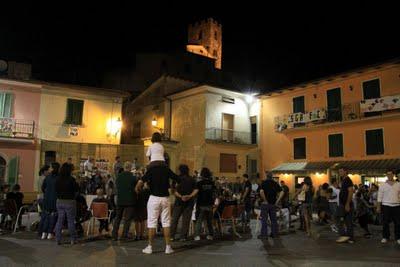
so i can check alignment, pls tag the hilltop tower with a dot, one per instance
(205, 38)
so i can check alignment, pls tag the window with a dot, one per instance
(371, 90)
(374, 142)
(6, 103)
(335, 145)
(227, 163)
(136, 130)
(298, 107)
(299, 148)
(49, 157)
(216, 35)
(253, 129)
(74, 112)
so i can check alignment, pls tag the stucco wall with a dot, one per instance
(188, 127)
(97, 113)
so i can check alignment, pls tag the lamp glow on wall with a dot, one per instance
(154, 124)
(114, 126)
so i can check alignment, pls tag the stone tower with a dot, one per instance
(205, 38)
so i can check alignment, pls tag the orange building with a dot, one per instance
(350, 119)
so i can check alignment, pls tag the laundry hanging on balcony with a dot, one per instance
(380, 104)
(287, 121)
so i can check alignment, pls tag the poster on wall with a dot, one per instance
(380, 104)
(286, 122)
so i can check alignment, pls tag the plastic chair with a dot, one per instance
(10, 210)
(228, 215)
(19, 215)
(100, 212)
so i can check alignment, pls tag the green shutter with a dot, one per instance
(74, 112)
(13, 169)
(6, 103)
(336, 145)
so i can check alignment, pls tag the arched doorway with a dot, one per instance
(3, 166)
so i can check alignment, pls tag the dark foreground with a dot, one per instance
(295, 249)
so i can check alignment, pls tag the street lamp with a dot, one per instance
(114, 126)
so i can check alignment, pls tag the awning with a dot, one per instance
(290, 167)
(358, 166)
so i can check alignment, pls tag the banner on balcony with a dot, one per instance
(285, 122)
(7, 126)
(380, 104)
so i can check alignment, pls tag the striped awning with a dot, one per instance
(359, 166)
(290, 167)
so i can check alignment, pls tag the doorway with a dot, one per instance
(227, 127)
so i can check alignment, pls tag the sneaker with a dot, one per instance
(342, 239)
(350, 241)
(148, 250)
(210, 237)
(398, 241)
(197, 238)
(169, 250)
(50, 236)
(384, 241)
(334, 228)
(44, 236)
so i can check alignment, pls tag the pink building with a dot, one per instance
(19, 149)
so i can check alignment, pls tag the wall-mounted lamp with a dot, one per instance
(351, 87)
(154, 122)
(249, 99)
(114, 126)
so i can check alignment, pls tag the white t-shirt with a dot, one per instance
(88, 167)
(335, 195)
(155, 152)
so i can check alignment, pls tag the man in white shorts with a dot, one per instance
(157, 179)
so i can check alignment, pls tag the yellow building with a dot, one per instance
(350, 119)
(204, 126)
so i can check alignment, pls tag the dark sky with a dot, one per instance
(281, 45)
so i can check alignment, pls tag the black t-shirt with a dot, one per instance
(247, 185)
(206, 194)
(285, 198)
(186, 187)
(271, 190)
(344, 190)
(157, 178)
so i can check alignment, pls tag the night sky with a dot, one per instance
(278, 45)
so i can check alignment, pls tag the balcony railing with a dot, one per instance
(229, 136)
(348, 112)
(16, 128)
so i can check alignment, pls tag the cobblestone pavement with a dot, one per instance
(295, 249)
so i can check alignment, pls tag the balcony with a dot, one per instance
(229, 136)
(372, 108)
(16, 128)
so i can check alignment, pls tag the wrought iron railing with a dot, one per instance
(16, 128)
(347, 112)
(229, 136)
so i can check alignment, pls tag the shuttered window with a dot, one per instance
(6, 104)
(299, 148)
(227, 163)
(374, 142)
(335, 145)
(74, 112)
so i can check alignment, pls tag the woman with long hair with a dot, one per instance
(66, 189)
(49, 213)
(308, 190)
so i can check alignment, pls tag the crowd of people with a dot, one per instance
(143, 196)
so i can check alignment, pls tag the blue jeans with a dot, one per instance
(66, 210)
(268, 210)
(47, 222)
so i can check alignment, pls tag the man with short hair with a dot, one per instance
(334, 203)
(389, 205)
(345, 209)
(157, 178)
(117, 166)
(185, 192)
(245, 197)
(271, 194)
(126, 200)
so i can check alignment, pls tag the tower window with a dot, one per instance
(216, 35)
(200, 35)
(215, 53)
